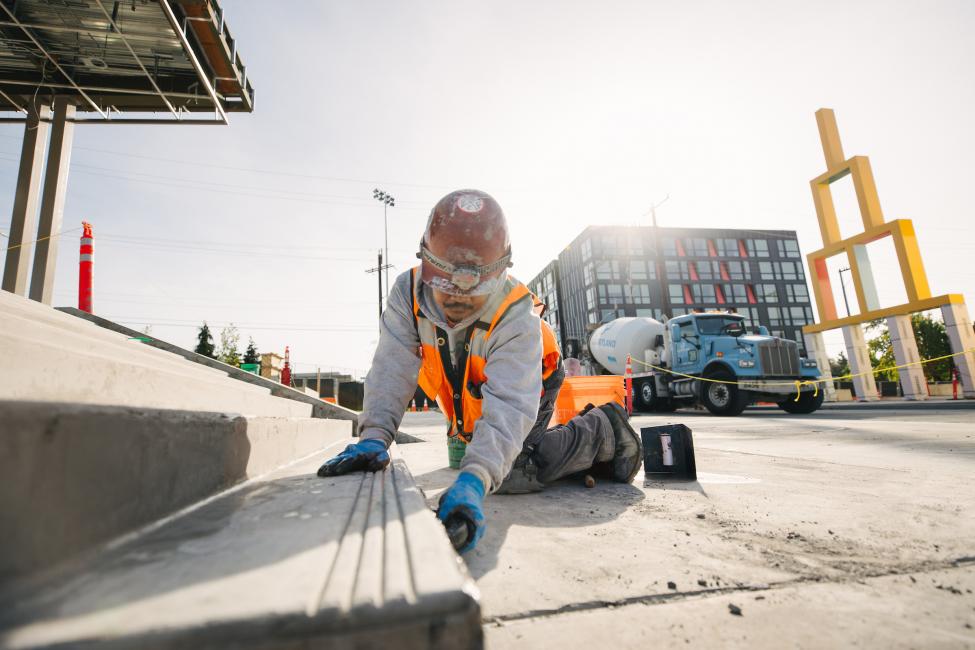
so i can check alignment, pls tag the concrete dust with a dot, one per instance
(857, 512)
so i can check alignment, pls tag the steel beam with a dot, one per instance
(25, 201)
(135, 56)
(52, 203)
(52, 58)
(201, 73)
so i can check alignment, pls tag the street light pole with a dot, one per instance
(661, 281)
(843, 286)
(388, 202)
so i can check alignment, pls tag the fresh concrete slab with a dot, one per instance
(290, 560)
(75, 475)
(814, 504)
(909, 611)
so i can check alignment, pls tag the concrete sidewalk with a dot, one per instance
(837, 529)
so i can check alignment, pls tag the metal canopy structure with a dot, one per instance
(167, 60)
(113, 62)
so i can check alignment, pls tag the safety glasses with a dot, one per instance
(461, 279)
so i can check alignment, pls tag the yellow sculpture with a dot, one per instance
(855, 248)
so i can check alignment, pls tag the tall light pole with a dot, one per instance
(843, 285)
(661, 281)
(388, 202)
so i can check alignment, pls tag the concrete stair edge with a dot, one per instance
(321, 407)
(77, 475)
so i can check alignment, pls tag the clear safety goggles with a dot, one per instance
(461, 279)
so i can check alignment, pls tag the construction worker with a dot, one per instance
(470, 336)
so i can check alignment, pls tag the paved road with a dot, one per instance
(843, 528)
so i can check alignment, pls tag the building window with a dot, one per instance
(586, 250)
(638, 270)
(670, 246)
(798, 316)
(651, 313)
(614, 293)
(727, 247)
(703, 292)
(709, 270)
(636, 244)
(696, 246)
(676, 294)
(765, 271)
(766, 293)
(757, 247)
(738, 270)
(797, 293)
(587, 274)
(638, 293)
(787, 247)
(591, 298)
(735, 293)
(678, 271)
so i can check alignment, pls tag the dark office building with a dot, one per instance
(613, 271)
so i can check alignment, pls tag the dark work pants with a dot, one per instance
(553, 453)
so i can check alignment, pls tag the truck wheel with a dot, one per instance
(723, 399)
(646, 394)
(807, 403)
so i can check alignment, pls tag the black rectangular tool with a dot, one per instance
(668, 453)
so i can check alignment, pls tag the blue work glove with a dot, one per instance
(461, 511)
(369, 455)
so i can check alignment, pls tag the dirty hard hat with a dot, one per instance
(465, 249)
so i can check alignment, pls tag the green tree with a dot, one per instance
(229, 340)
(251, 355)
(204, 343)
(932, 342)
(839, 367)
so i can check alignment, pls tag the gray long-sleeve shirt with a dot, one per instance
(510, 394)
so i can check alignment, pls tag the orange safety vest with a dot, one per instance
(458, 390)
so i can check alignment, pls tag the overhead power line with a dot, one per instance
(256, 170)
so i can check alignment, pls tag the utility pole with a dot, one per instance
(661, 279)
(843, 286)
(378, 270)
(388, 202)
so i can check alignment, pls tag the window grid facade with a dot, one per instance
(609, 272)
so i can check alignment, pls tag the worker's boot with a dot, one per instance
(629, 450)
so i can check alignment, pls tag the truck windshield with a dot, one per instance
(714, 324)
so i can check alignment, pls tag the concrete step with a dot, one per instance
(287, 561)
(77, 475)
(320, 407)
(47, 355)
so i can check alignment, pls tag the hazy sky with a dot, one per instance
(569, 113)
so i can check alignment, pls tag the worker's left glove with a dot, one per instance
(369, 455)
(462, 512)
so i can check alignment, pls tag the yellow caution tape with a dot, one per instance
(34, 241)
(799, 383)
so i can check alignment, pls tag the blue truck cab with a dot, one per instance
(726, 368)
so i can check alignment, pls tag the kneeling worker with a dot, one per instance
(470, 336)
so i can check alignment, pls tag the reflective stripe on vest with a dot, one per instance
(457, 389)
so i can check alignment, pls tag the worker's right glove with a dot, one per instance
(461, 511)
(369, 455)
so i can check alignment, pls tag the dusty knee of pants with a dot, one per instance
(575, 447)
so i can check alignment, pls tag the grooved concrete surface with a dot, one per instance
(287, 561)
(844, 528)
(76, 475)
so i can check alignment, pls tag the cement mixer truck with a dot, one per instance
(707, 358)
